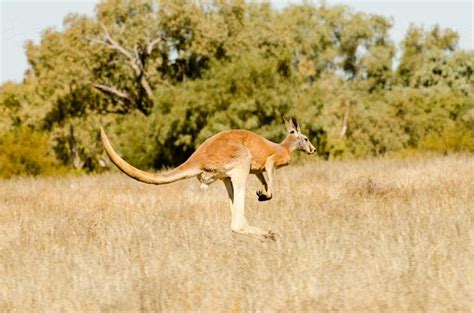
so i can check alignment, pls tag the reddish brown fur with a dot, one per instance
(216, 151)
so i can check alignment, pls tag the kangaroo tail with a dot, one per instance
(181, 172)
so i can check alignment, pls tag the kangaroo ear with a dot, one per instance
(289, 125)
(295, 124)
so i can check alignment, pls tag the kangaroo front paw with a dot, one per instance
(270, 235)
(263, 196)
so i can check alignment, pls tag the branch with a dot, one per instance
(95, 41)
(344, 122)
(121, 111)
(112, 90)
(114, 44)
(137, 61)
(151, 45)
(146, 86)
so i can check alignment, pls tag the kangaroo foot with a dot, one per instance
(263, 195)
(256, 232)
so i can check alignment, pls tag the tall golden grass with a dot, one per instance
(377, 235)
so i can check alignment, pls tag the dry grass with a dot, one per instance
(381, 235)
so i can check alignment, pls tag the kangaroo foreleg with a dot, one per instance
(266, 192)
(263, 194)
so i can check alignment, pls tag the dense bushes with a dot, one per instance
(26, 152)
(404, 118)
(162, 78)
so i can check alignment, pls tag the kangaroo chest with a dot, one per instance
(277, 160)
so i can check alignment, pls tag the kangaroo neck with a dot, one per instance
(289, 143)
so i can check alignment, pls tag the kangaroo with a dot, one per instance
(229, 156)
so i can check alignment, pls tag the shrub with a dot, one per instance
(452, 139)
(24, 151)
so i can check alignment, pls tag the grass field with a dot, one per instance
(378, 235)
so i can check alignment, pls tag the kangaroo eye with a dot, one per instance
(306, 139)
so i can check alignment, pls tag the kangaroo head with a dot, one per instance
(299, 140)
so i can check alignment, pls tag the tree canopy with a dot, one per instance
(162, 76)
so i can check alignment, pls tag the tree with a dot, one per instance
(163, 75)
(130, 38)
(419, 46)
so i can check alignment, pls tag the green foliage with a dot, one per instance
(233, 103)
(76, 144)
(424, 53)
(451, 139)
(133, 137)
(26, 152)
(424, 112)
(162, 76)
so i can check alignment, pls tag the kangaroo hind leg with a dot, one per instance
(238, 180)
